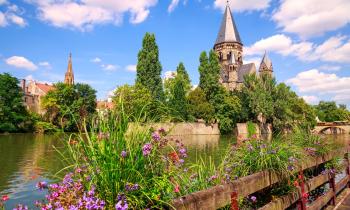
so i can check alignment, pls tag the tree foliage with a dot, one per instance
(135, 101)
(264, 101)
(13, 115)
(199, 107)
(330, 112)
(149, 67)
(67, 106)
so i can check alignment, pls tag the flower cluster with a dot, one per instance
(131, 187)
(146, 149)
(21, 207)
(122, 203)
(70, 194)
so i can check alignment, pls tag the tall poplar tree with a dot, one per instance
(149, 67)
(181, 70)
(203, 70)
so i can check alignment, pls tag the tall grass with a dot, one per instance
(123, 162)
(257, 155)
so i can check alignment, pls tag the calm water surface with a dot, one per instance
(26, 159)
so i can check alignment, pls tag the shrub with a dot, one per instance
(135, 167)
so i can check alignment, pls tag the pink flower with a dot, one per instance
(5, 198)
(177, 189)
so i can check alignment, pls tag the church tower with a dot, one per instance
(266, 66)
(229, 48)
(69, 76)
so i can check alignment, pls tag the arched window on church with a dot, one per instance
(220, 56)
(229, 56)
(239, 59)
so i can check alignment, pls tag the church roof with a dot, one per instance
(44, 87)
(228, 31)
(244, 70)
(266, 60)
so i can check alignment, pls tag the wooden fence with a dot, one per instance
(223, 195)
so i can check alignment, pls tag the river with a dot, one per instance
(26, 159)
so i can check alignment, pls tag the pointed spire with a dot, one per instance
(266, 60)
(228, 31)
(69, 76)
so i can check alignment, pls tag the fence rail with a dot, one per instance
(222, 195)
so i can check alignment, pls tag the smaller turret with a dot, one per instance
(266, 66)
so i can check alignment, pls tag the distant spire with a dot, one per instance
(266, 60)
(266, 64)
(228, 31)
(69, 76)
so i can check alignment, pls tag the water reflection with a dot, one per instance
(26, 159)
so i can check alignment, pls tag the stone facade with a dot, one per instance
(33, 94)
(229, 49)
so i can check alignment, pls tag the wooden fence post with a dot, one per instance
(302, 200)
(332, 185)
(234, 201)
(347, 168)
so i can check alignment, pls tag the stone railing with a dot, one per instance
(223, 195)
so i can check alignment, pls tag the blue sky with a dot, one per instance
(309, 45)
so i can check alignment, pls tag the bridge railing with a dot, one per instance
(222, 195)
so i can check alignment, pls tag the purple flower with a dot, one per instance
(121, 205)
(263, 146)
(131, 187)
(291, 159)
(161, 130)
(41, 185)
(250, 147)
(123, 154)
(146, 149)
(323, 172)
(290, 167)
(253, 198)
(155, 136)
(183, 152)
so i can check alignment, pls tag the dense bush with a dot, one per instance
(13, 115)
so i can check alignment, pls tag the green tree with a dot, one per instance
(13, 115)
(178, 103)
(149, 67)
(181, 71)
(68, 106)
(203, 70)
(135, 101)
(330, 112)
(199, 107)
(257, 98)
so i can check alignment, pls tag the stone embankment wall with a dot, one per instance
(177, 129)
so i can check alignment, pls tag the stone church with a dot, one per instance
(34, 91)
(229, 48)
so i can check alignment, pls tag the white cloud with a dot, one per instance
(109, 67)
(45, 64)
(131, 68)
(3, 21)
(21, 62)
(255, 60)
(243, 5)
(334, 49)
(96, 60)
(85, 14)
(329, 68)
(29, 78)
(173, 5)
(311, 99)
(17, 20)
(12, 15)
(2, 2)
(312, 17)
(316, 82)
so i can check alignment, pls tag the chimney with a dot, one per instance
(23, 85)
